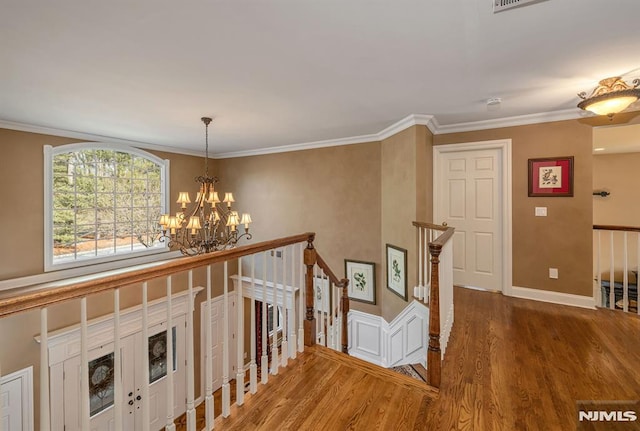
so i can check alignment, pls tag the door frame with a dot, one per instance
(504, 145)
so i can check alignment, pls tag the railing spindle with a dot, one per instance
(240, 339)
(274, 338)
(146, 414)
(191, 411)
(285, 326)
(264, 363)
(301, 302)
(638, 274)
(117, 363)
(45, 406)
(598, 294)
(84, 365)
(170, 426)
(226, 390)
(294, 337)
(625, 275)
(1, 402)
(612, 298)
(209, 411)
(253, 368)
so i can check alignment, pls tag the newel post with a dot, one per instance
(345, 314)
(434, 355)
(310, 321)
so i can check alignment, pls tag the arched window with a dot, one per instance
(101, 200)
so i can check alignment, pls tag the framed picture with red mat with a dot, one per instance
(551, 177)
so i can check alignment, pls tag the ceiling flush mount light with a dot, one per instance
(208, 224)
(612, 95)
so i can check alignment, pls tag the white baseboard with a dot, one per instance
(553, 297)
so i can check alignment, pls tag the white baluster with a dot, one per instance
(226, 390)
(301, 297)
(191, 411)
(428, 237)
(240, 338)
(274, 339)
(326, 309)
(117, 363)
(638, 274)
(598, 294)
(317, 305)
(209, 412)
(334, 317)
(612, 299)
(420, 285)
(293, 349)
(625, 275)
(170, 426)
(45, 407)
(264, 360)
(84, 366)
(253, 368)
(285, 326)
(146, 414)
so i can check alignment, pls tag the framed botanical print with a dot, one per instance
(397, 270)
(362, 280)
(551, 177)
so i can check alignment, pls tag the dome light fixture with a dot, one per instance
(612, 95)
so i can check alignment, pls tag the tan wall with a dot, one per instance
(334, 192)
(562, 240)
(406, 196)
(620, 175)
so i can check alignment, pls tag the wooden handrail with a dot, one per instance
(620, 228)
(67, 290)
(441, 240)
(428, 225)
(332, 277)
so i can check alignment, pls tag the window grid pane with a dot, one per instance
(103, 199)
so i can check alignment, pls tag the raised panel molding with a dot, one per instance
(403, 341)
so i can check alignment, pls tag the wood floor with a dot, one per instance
(511, 365)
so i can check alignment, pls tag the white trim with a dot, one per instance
(553, 297)
(411, 120)
(504, 145)
(52, 131)
(26, 382)
(519, 120)
(96, 270)
(405, 123)
(49, 154)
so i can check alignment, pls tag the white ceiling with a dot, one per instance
(276, 72)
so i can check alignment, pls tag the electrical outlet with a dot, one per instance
(541, 211)
(553, 273)
(278, 253)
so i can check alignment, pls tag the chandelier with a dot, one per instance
(208, 224)
(611, 96)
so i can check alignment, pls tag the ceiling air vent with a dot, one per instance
(500, 5)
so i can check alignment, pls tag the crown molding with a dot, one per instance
(429, 121)
(90, 137)
(519, 120)
(399, 126)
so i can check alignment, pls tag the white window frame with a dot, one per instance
(131, 258)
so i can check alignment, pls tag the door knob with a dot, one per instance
(444, 223)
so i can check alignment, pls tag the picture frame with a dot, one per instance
(397, 270)
(551, 177)
(362, 280)
(321, 294)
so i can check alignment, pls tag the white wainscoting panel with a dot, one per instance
(403, 341)
(16, 396)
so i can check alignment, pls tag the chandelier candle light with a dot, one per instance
(209, 225)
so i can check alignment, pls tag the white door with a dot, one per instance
(217, 340)
(101, 363)
(470, 199)
(11, 402)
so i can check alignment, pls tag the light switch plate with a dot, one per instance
(553, 273)
(541, 211)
